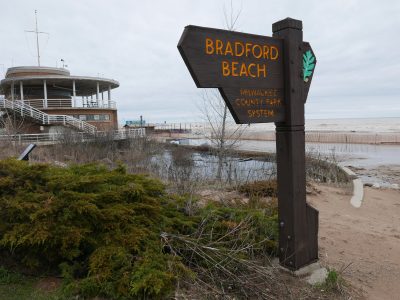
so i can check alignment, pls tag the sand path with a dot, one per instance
(367, 238)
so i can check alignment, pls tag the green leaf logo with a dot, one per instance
(308, 65)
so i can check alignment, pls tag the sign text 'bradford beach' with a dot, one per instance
(247, 69)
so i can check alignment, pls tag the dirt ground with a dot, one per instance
(365, 241)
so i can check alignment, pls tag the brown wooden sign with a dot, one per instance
(266, 79)
(228, 60)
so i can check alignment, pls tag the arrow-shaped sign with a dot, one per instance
(247, 69)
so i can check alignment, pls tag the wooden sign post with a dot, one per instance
(266, 79)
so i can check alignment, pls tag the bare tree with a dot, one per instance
(231, 16)
(223, 136)
(11, 122)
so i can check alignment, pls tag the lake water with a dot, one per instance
(360, 156)
(203, 166)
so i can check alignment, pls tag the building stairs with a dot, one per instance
(26, 111)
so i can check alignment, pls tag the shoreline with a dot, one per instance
(340, 137)
(374, 165)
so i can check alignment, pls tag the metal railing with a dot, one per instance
(36, 103)
(52, 138)
(26, 110)
(61, 103)
(106, 104)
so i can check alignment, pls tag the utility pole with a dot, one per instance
(37, 32)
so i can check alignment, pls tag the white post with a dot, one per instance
(21, 89)
(97, 93)
(12, 91)
(74, 92)
(45, 93)
(22, 97)
(109, 96)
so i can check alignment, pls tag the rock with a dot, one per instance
(60, 164)
(376, 185)
(106, 161)
(318, 276)
(395, 186)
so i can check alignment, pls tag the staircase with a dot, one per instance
(25, 110)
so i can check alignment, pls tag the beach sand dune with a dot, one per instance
(366, 240)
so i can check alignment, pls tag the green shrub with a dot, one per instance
(7, 277)
(100, 229)
(96, 225)
(255, 227)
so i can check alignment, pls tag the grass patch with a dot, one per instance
(7, 277)
(14, 286)
(334, 283)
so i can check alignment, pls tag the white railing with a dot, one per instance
(106, 104)
(26, 110)
(52, 103)
(36, 103)
(52, 138)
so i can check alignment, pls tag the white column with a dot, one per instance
(12, 91)
(45, 93)
(21, 89)
(74, 92)
(97, 93)
(109, 96)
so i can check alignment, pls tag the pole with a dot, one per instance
(37, 39)
(45, 93)
(74, 92)
(109, 96)
(97, 93)
(298, 222)
(21, 89)
(12, 91)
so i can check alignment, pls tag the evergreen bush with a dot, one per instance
(100, 229)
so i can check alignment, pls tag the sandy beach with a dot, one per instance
(363, 242)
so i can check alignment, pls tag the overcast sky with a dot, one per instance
(357, 44)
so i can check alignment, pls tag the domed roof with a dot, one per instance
(32, 71)
(61, 77)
